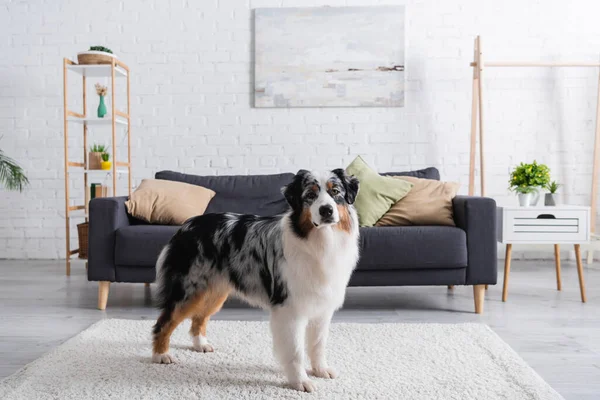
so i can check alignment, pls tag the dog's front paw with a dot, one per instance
(325, 372)
(203, 348)
(164, 358)
(200, 344)
(304, 386)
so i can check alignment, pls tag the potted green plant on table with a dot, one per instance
(527, 179)
(95, 156)
(550, 199)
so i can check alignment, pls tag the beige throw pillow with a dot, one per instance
(168, 202)
(428, 203)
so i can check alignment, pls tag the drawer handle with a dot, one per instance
(546, 216)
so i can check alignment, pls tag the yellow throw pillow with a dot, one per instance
(168, 202)
(377, 193)
(428, 203)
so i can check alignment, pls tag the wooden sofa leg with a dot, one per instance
(479, 295)
(103, 287)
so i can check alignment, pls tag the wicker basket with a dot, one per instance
(94, 57)
(82, 233)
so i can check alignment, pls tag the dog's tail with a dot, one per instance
(162, 277)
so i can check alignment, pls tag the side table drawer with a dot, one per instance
(569, 226)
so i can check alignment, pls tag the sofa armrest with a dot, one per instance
(477, 217)
(107, 214)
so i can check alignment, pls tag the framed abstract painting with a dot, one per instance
(329, 57)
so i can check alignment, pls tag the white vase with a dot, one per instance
(535, 197)
(525, 199)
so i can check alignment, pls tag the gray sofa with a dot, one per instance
(124, 249)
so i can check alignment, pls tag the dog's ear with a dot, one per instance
(293, 191)
(351, 184)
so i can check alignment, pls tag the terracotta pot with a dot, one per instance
(95, 160)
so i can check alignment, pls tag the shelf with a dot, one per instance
(78, 214)
(97, 121)
(91, 172)
(120, 171)
(84, 122)
(97, 71)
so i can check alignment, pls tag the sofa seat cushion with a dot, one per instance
(412, 247)
(140, 245)
(382, 248)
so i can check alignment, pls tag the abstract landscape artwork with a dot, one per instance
(329, 57)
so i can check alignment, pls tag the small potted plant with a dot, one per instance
(550, 199)
(101, 91)
(527, 179)
(96, 55)
(95, 156)
(106, 164)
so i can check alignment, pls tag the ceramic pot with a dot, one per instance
(549, 199)
(525, 199)
(106, 165)
(535, 197)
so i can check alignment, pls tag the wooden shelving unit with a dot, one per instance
(116, 69)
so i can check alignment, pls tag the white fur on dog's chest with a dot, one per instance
(318, 269)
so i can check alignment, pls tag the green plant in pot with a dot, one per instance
(95, 156)
(101, 48)
(527, 179)
(550, 198)
(106, 164)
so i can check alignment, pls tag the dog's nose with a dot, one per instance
(326, 211)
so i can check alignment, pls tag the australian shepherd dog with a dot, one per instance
(296, 265)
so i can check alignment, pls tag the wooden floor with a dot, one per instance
(553, 331)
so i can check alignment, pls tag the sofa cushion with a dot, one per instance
(168, 202)
(377, 193)
(383, 248)
(429, 202)
(243, 194)
(412, 247)
(427, 173)
(140, 245)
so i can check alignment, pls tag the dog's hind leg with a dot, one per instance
(212, 302)
(168, 320)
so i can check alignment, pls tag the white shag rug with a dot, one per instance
(111, 360)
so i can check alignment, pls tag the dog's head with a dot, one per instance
(321, 199)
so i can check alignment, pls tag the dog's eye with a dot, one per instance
(335, 191)
(311, 195)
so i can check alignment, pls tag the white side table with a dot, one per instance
(562, 224)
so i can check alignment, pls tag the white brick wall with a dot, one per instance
(192, 96)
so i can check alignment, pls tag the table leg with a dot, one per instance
(506, 271)
(557, 261)
(580, 273)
